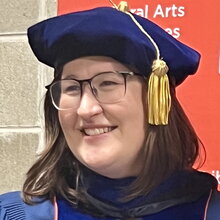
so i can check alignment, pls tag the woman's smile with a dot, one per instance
(94, 136)
(97, 130)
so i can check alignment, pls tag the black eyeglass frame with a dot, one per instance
(125, 74)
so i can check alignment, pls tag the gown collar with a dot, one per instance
(103, 194)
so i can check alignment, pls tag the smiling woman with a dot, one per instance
(118, 143)
(117, 109)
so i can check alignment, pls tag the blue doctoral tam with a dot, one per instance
(109, 32)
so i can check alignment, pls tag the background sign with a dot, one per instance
(196, 23)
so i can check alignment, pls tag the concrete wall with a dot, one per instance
(22, 81)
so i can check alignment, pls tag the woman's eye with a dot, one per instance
(108, 83)
(72, 89)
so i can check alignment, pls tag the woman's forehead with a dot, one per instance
(89, 66)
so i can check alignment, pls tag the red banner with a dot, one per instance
(195, 23)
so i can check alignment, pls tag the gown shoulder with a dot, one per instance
(13, 207)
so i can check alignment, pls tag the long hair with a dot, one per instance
(167, 149)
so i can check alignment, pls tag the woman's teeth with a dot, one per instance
(97, 131)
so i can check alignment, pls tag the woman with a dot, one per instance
(118, 144)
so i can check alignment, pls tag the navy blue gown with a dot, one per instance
(183, 196)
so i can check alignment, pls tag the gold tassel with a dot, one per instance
(159, 100)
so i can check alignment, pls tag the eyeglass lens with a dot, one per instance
(108, 87)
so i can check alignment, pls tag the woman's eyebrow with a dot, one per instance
(69, 76)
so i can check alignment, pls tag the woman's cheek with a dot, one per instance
(67, 119)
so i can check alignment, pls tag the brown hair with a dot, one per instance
(167, 149)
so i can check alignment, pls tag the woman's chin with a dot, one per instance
(96, 164)
(99, 165)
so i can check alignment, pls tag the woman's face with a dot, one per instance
(118, 152)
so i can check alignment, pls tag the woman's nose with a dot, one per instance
(89, 105)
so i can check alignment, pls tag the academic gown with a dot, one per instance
(183, 196)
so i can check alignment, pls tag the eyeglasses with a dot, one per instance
(107, 88)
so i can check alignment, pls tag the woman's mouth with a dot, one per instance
(97, 131)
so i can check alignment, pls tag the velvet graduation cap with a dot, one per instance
(126, 37)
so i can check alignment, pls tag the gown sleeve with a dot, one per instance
(213, 212)
(13, 207)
